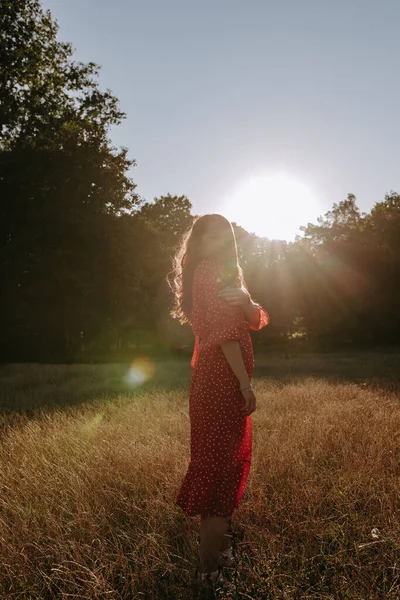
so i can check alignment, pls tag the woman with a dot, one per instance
(211, 295)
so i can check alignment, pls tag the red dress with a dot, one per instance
(220, 436)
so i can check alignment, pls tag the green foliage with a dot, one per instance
(43, 92)
(61, 187)
(350, 268)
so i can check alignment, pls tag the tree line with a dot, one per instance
(84, 259)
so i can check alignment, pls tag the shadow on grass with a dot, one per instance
(28, 387)
(374, 370)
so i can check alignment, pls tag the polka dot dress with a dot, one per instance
(220, 436)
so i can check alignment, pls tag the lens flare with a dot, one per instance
(141, 370)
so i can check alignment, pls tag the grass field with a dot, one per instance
(90, 464)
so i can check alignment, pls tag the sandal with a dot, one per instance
(209, 584)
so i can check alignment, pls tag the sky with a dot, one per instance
(265, 111)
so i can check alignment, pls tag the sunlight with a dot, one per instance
(272, 205)
(91, 426)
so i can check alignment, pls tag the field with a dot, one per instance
(90, 463)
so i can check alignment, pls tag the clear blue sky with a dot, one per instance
(218, 91)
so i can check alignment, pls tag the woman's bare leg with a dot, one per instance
(226, 538)
(212, 537)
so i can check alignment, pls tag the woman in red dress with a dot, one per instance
(212, 296)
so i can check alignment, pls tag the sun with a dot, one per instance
(272, 205)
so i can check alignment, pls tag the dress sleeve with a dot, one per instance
(222, 321)
(263, 318)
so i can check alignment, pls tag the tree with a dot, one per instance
(349, 271)
(60, 180)
(42, 90)
(338, 224)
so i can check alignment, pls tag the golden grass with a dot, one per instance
(89, 469)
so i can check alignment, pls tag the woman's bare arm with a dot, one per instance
(233, 354)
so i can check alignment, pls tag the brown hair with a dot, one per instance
(188, 256)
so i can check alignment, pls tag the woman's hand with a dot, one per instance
(250, 402)
(234, 296)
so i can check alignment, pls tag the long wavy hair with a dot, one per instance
(188, 256)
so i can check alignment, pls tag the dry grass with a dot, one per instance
(89, 469)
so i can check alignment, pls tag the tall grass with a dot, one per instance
(90, 466)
